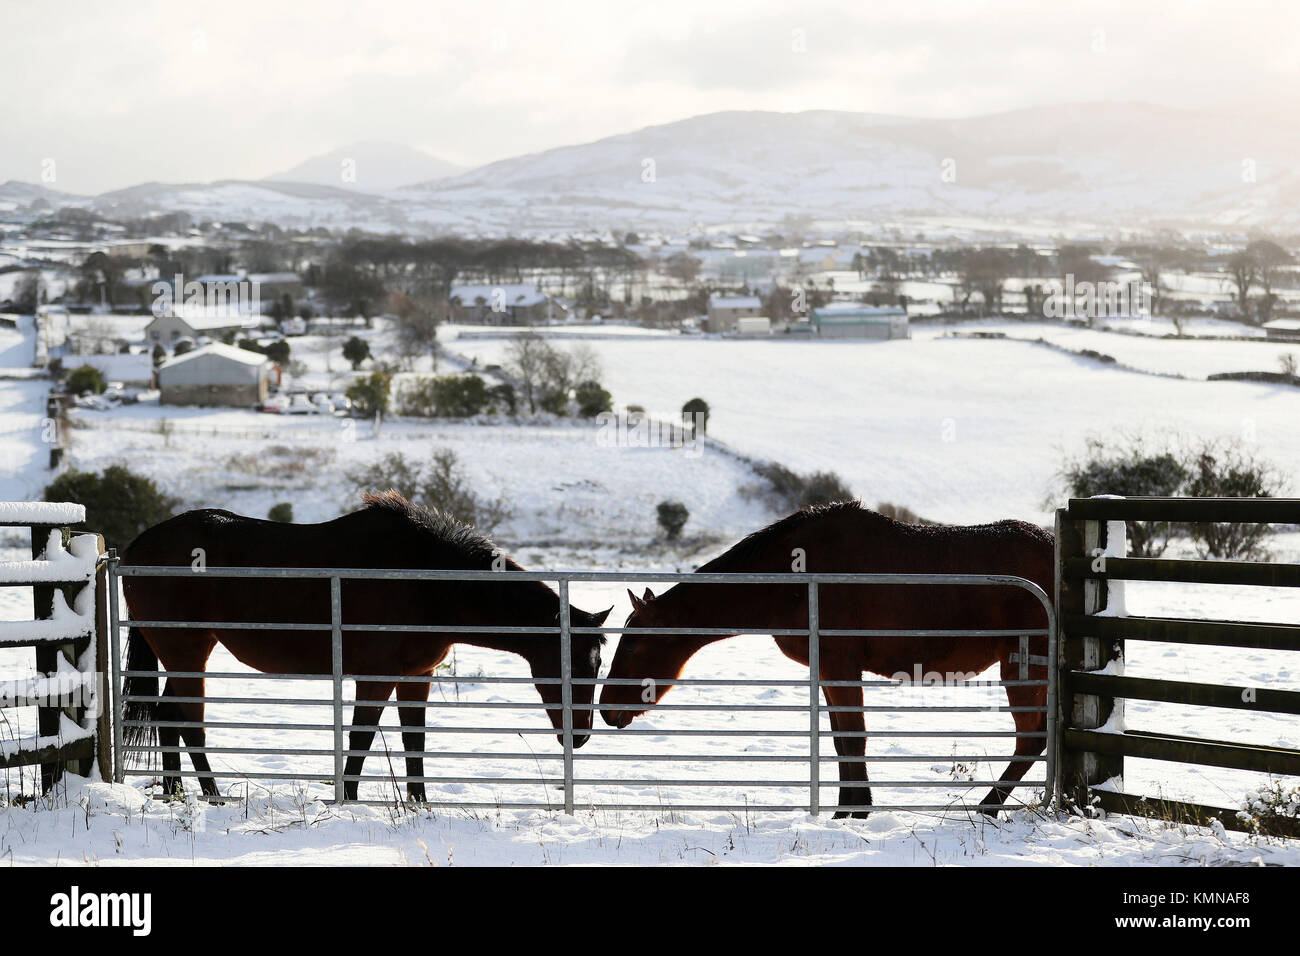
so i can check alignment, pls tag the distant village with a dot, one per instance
(205, 312)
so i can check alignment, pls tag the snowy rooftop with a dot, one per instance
(218, 350)
(735, 302)
(855, 310)
(204, 318)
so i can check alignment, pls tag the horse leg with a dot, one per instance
(195, 738)
(844, 722)
(185, 651)
(360, 740)
(1029, 721)
(413, 739)
(169, 741)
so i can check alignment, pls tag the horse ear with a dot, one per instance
(637, 603)
(598, 619)
(648, 596)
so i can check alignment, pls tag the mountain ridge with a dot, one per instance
(1114, 165)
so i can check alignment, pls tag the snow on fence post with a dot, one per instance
(66, 636)
(1094, 541)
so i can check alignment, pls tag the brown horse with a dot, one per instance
(847, 538)
(388, 533)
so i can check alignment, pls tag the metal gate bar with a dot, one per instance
(568, 780)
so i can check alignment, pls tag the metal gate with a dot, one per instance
(795, 744)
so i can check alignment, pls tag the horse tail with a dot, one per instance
(140, 716)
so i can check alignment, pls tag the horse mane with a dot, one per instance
(757, 543)
(445, 528)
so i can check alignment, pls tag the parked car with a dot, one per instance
(302, 405)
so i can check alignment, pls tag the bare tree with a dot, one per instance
(1241, 267)
(417, 326)
(985, 271)
(1153, 261)
(1270, 260)
(548, 375)
(682, 267)
(527, 357)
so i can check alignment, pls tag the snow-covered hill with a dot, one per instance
(1070, 169)
(369, 167)
(284, 203)
(1094, 163)
(14, 194)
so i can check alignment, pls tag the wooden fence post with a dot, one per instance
(1080, 770)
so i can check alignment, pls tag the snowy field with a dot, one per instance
(561, 482)
(959, 430)
(1190, 358)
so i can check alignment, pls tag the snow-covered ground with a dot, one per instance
(1190, 358)
(115, 825)
(562, 482)
(23, 453)
(957, 429)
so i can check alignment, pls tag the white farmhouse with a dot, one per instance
(724, 310)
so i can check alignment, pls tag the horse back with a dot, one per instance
(863, 542)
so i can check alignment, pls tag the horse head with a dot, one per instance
(585, 663)
(654, 661)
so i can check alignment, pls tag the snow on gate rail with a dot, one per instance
(795, 743)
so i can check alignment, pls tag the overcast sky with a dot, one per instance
(118, 93)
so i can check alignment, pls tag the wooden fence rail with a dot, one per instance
(1093, 738)
(66, 632)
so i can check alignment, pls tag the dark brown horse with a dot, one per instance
(847, 538)
(388, 533)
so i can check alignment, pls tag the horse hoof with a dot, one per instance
(854, 815)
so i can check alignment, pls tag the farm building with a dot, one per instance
(724, 310)
(852, 320)
(518, 304)
(273, 286)
(215, 375)
(192, 323)
(1284, 330)
(753, 325)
